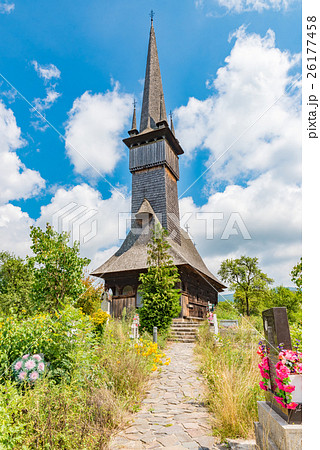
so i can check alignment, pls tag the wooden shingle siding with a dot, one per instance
(153, 154)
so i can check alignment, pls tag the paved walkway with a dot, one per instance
(172, 414)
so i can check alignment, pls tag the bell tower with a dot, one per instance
(154, 151)
(154, 164)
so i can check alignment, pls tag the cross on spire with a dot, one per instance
(151, 15)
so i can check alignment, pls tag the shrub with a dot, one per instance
(296, 336)
(57, 337)
(106, 381)
(16, 279)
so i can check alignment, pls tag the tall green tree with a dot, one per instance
(16, 279)
(160, 297)
(282, 296)
(246, 279)
(58, 269)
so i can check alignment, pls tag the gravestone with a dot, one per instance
(276, 331)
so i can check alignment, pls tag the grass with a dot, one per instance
(232, 374)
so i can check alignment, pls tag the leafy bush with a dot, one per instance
(296, 336)
(226, 310)
(16, 279)
(57, 337)
(106, 380)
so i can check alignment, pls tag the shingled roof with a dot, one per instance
(132, 256)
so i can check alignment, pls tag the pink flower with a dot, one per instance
(30, 364)
(25, 356)
(18, 365)
(262, 385)
(292, 405)
(280, 385)
(280, 401)
(41, 366)
(34, 376)
(22, 375)
(37, 357)
(288, 388)
(264, 373)
(283, 372)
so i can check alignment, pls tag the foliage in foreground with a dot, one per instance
(58, 269)
(231, 371)
(160, 296)
(82, 405)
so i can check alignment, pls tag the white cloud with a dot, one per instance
(47, 71)
(16, 180)
(6, 7)
(94, 130)
(271, 213)
(254, 124)
(239, 6)
(14, 230)
(41, 104)
(92, 220)
(79, 210)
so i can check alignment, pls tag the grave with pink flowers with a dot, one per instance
(280, 415)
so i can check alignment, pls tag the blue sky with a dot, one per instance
(224, 63)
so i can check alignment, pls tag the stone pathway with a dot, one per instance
(172, 414)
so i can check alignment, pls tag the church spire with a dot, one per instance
(153, 101)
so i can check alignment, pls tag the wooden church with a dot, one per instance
(154, 164)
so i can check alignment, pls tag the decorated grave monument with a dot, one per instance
(280, 416)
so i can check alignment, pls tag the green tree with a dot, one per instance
(248, 281)
(58, 269)
(282, 296)
(16, 279)
(158, 285)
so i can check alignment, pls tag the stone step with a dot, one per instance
(198, 321)
(194, 329)
(181, 340)
(183, 333)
